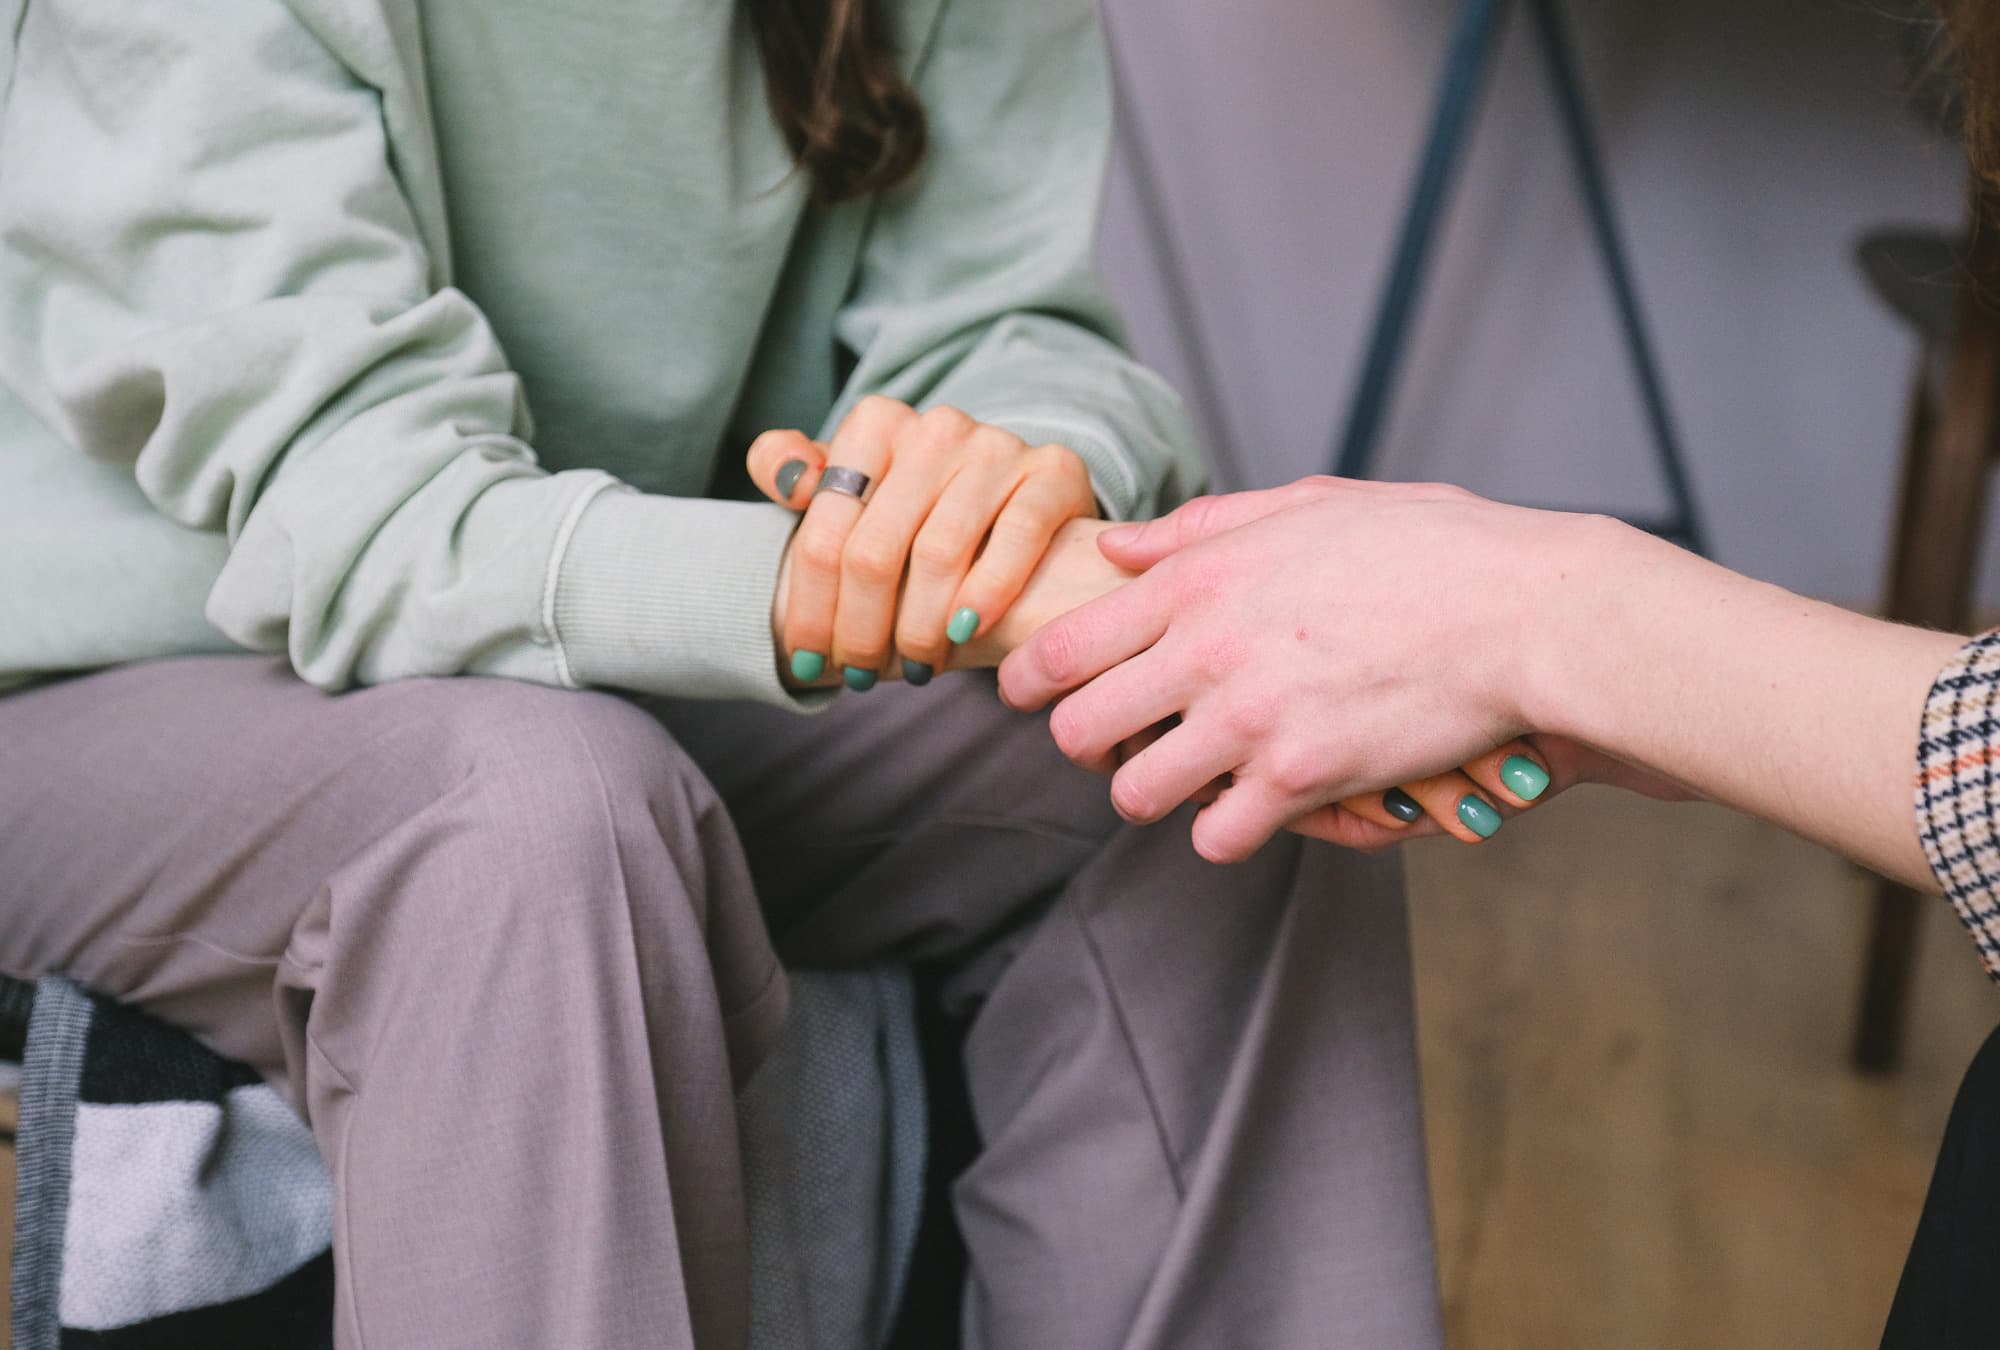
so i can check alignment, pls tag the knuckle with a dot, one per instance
(1018, 531)
(1058, 652)
(1250, 719)
(1194, 517)
(819, 550)
(1441, 492)
(925, 437)
(1196, 580)
(1064, 465)
(873, 559)
(943, 419)
(1294, 773)
(875, 418)
(992, 443)
(1217, 658)
(938, 550)
(879, 408)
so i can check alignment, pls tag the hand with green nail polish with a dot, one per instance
(1073, 571)
(937, 543)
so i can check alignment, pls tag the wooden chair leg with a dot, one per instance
(1891, 963)
(1919, 426)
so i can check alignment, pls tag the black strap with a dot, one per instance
(17, 1002)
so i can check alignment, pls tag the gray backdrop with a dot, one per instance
(1749, 142)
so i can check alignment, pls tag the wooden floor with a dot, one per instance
(1643, 1131)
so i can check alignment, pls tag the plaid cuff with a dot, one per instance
(1958, 794)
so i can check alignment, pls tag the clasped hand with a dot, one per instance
(967, 538)
(1247, 666)
(1288, 655)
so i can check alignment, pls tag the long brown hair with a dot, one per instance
(843, 104)
(1975, 33)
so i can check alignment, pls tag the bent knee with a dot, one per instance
(529, 806)
(553, 761)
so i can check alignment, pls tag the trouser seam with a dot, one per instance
(1124, 1026)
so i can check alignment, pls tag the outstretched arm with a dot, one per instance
(1332, 638)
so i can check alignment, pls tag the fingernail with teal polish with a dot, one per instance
(916, 672)
(807, 666)
(1402, 806)
(859, 680)
(963, 625)
(789, 474)
(1524, 778)
(1479, 817)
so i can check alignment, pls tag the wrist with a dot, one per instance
(1582, 611)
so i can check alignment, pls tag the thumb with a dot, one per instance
(1140, 546)
(785, 466)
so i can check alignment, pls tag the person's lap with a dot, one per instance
(903, 822)
(128, 780)
(1164, 1045)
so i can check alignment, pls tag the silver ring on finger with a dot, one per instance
(847, 482)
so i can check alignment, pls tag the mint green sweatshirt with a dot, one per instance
(418, 337)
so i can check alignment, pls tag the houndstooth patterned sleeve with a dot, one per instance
(1958, 791)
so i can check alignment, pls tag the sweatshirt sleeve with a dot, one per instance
(977, 286)
(1958, 791)
(222, 263)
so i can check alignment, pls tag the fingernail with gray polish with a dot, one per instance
(789, 474)
(916, 672)
(1402, 806)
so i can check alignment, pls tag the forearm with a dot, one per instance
(1793, 710)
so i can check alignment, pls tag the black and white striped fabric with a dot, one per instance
(171, 1200)
(167, 1198)
(1958, 789)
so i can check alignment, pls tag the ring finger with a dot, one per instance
(1454, 801)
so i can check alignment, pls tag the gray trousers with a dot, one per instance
(509, 950)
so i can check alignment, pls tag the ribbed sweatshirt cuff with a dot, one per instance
(672, 596)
